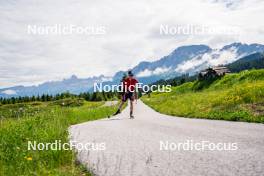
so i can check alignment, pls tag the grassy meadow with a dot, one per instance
(235, 97)
(43, 122)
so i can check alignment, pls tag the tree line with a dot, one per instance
(176, 81)
(94, 96)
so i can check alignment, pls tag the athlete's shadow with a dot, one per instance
(110, 119)
(114, 119)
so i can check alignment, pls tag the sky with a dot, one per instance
(121, 34)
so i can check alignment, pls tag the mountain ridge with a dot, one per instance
(184, 59)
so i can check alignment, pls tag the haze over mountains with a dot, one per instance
(186, 59)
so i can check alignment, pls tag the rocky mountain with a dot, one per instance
(191, 59)
(73, 84)
(186, 59)
(165, 67)
(227, 54)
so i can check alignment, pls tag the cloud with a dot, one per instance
(9, 92)
(144, 73)
(132, 34)
(157, 71)
(160, 70)
(190, 64)
(215, 58)
(231, 4)
(223, 58)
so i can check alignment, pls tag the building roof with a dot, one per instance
(218, 70)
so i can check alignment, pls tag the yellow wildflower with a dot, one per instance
(29, 158)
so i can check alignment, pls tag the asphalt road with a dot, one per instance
(157, 144)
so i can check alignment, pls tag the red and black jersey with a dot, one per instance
(130, 84)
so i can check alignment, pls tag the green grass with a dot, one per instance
(44, 123)
(235, 97)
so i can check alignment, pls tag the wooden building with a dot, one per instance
(213, 72)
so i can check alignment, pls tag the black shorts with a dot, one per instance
(128, 95)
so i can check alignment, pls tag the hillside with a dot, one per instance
(43, 122)
(236, 97)
(253, 61)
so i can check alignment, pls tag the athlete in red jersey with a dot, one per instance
(129, 85)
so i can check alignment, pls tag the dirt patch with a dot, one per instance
(256, 108)
(110, 103)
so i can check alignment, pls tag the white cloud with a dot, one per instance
(157, 71)
(9, 92)
(132, 34)
(224, 57)
(144, 73)
(160, 70)
(192, 63)
(215, 58)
